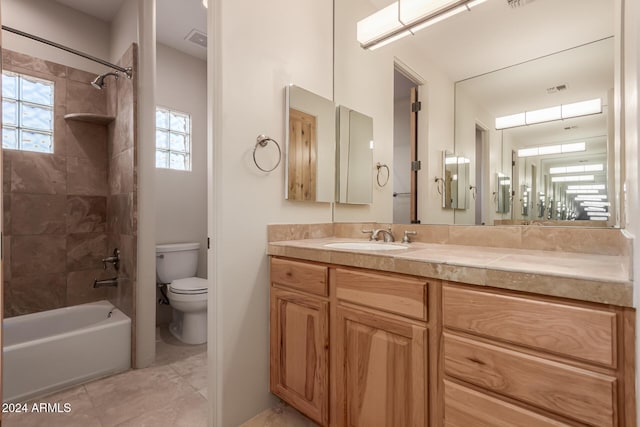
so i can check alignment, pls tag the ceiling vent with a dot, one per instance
(555, 89)
(197, 37)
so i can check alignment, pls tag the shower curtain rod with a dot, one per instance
(126, 71)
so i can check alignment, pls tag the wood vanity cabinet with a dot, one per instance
(378, 344)
(535, 361)
(299, 336)
(353, 347)
(381, 350)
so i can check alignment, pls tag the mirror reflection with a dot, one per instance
(455, 181)
(310, 142)
(354, 157)
(551, 117)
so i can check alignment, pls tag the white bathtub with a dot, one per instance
(48, 351)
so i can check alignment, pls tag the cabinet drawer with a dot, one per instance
(400, 295)
(582, 333)
(575, 393)
(305, 277)
(464, 407)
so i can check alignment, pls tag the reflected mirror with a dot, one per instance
(310, 146)
(455, 181)
(550, 115)
(502, 194)
(354, 157)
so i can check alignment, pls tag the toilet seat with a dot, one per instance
(189, 286)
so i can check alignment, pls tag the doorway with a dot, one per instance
(405, 148)
(481, 161)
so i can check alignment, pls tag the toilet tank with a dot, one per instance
(176, 261)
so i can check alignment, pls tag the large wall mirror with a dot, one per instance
(310, 146)
(499, 58)
(549, 117)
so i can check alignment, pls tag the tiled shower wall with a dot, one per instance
(56, 206)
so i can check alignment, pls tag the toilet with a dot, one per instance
(176, 266)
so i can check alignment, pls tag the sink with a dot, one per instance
(365, 246)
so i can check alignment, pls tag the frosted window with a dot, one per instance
(27, 113)
(173, 139)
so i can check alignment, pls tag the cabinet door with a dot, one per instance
(299, 352)
(381, 371)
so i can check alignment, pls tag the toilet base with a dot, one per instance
(190, 328)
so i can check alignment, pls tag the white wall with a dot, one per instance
(257, 50)
(60, 24)
(181, 196)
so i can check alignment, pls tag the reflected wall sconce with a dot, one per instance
(406, 17)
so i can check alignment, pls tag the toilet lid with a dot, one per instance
(192, 285)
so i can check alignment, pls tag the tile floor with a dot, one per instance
(281, 415)
(170, 393)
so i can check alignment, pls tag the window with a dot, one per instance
(173, 139)
(27, 113)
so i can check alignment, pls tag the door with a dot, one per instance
(299, 352)
(302, 155)
(381, 371)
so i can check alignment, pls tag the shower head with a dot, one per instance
(98, 82)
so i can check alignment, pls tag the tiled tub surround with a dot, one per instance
(577, 263)
(57, 216)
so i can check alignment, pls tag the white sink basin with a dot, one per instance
(365, 246)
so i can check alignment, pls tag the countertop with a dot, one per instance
(586, 277)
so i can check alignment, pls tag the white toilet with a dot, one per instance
(176, 265)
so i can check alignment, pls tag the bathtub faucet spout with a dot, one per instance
(106, 282)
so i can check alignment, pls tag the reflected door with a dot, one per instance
(302, 155)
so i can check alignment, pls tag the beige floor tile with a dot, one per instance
(169, 349)
(188, 411)
(193, 369)
(126, 396)
(81, 412)
(280, 416)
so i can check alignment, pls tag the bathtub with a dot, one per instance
(51, 350)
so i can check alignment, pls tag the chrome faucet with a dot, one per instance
(113, 282)
(388, 237)
(114, 259)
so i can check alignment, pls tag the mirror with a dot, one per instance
(310, 146)
(570, 152)
(455, 181)
(454, 54)
(354, 157)
(503, 193)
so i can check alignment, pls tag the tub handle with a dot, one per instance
(161, 256)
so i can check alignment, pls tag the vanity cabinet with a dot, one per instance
(381, 350)
(299, 336)
(357, 347)
(540, 361)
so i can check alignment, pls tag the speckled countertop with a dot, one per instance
(586, 277)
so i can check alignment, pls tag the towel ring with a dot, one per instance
(381, 166)
(262, 141)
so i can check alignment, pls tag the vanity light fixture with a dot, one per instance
(552, 149)
(572, 178)
(205, 3)
(582, 191)
(577, 169)
(598, 214)
(550, 114)
(586, 187)
(595, 203)
(406, 17)
(591, 197)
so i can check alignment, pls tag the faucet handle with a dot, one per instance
(369, 232)
(408, 233)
